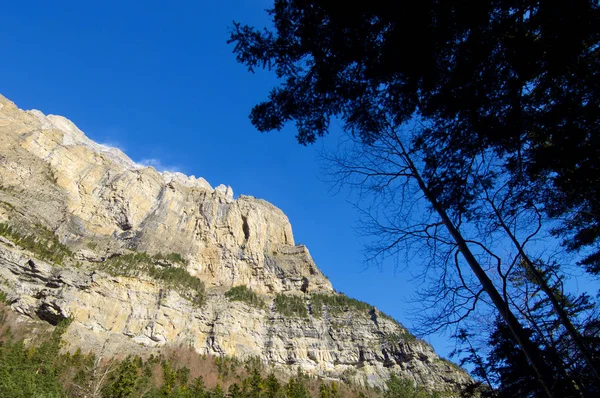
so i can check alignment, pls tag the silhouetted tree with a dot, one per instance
(515, 78)
(518, 77)
(511, 372)
(272, 387)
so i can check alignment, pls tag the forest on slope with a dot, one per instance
(42, 369)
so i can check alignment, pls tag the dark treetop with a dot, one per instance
(518, 78)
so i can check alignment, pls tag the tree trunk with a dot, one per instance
(530, 351)
(541, 282)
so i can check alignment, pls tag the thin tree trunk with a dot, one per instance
(530, 351)
(541, 282)
(481, 366)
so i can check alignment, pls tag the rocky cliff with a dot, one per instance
(139, 259)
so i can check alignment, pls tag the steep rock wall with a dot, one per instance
(102, 205)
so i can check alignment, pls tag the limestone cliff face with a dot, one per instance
(100, 204)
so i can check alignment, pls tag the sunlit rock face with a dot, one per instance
(101, 205)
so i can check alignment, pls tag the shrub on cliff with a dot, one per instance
(242, 293)
(176, 278)
(38, 240)
(291, 306)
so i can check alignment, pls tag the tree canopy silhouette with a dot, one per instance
(500, 95)
(519, 77)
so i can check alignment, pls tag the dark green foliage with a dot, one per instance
(124, 381)
(254, 384)
(234, 391)
(34, 371)
(242, 293)
(292, 306)
(227, 366)
(133, 377)
(171, 257)
(405, 388)
(335, 304)
(272, 388)
(25, 374)
(197, 389)
(172, 277)
(509, 369)
(505, 368)
(329, 391)
(253, 363)
(216, 392)
(42, 371)
(129, 381)
(296, 388)
(39, 240)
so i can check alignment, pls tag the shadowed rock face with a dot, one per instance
(101, 204)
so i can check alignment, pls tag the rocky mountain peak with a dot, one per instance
(141, 259)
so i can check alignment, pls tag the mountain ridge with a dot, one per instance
(104, 210)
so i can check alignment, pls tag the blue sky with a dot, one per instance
(158, 80)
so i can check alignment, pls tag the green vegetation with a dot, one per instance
(404, 335)
(41, 370)
(242, 293)
(42, 242)
(227, 366)
(296, 388)
(407, 336)
(171, 257)
(329, 391)
(188, 286)
(292, 306)
(34, 371)
(335, 304)
(404, 388)
(134, 377)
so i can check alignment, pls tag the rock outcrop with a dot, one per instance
(94, 205)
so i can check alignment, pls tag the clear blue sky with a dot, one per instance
(158, 80)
